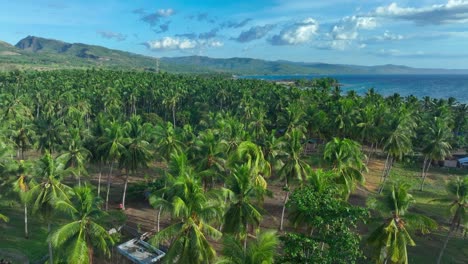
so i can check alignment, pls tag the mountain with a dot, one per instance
(41, 53)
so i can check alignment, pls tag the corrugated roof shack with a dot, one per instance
(140, 252)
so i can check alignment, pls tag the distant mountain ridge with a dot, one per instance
(42, 53)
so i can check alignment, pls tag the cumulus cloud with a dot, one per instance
(112, 35)
(254, 33)
(389, 36)
(348, 27)
(175, 43)
(298, 33)
(154, 18)
(454, 11)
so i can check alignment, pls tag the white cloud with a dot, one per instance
(165, 12)
(170, 43)
(454, 11)
(389, 36)
(298, 33)
(347, 28)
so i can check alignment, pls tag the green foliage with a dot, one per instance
(330, 223)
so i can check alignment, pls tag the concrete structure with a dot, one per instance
(140, 252)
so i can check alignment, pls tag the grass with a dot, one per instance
(427, 246)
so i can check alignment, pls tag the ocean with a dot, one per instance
(435, 86)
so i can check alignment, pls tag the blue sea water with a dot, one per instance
(435, 86)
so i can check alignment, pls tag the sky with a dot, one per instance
(423, 33)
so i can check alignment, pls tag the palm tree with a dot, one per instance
(136, 153)
(347, 160)
(242, 212)
(166, 141)
(398, 140)
(437, 145)
(48, 189)
(392, 237)
(251, 154)
(193, 212)
(76, 155)
(112, 146)
(22, 188)
(294, 167)
(261, 250)
(458, 198)
(77, 239)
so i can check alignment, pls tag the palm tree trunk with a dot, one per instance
(284, 209)
(159, 217)
(90, 253)
(385, 168)
(51, 256)
(108, 185)
(26, 233)
(425, 175)
(444, 246)
(246, 237)
(386, 174)
(424, 166)
(125, 190)
(99, 180)
(173, 114)
(79, 178)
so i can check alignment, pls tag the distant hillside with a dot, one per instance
(41, 53)
(246, 66)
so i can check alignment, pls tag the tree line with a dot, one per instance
(222, 142)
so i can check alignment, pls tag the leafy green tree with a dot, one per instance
(458, 199)
(294, 165)
(46, 188)
(242, 212)
(390, 240)
(260, 250)
(193, 212)
(347, 160)
(76, 156)
(76, 240)
(137, 149)
(436, 145)
(330, 223)
(112, 146)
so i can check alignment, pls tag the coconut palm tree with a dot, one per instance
(436, 146)
(294, 166)
(76, 156)
(347, 160)
(242, 212)
(391, 238)
(262, 249)
(76, 240)
(193, 212)
(112, 147)
(458, 198)
(46, 188)
(137, 153)
(398, 141)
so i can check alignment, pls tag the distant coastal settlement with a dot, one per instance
(424, 85)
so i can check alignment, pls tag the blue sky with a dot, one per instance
(424, 33)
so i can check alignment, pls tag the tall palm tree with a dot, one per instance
(294, 166)
(193, 212)
(398, 141)
(458, 198)
(76, 240)
(76, 156)
(112, 146)
(261, 250)
(437, 145)
(391, 238)
(136, 153)
(242, 212)
(347, 160)
(47, 189)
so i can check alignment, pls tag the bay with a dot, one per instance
(435, 86)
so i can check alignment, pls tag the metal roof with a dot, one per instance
(140, 252)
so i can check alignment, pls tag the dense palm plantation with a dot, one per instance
(216, 146)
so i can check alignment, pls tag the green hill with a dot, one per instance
(41, 53)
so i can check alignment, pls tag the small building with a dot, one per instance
(140, 252)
